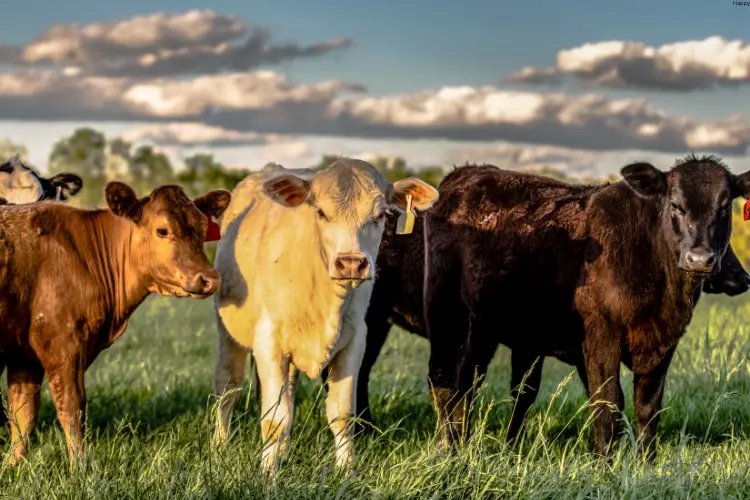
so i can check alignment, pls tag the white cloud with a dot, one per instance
(199, 134)
(573, 162)
(530, 157)
(266, 102)
(181, 139)
(193, 42)
(286, 150)
(683, 66)
(236, 91)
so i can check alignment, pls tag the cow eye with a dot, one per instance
(322, 215)
(379, 218)
(162, 232)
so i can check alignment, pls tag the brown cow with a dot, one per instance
(70, 279)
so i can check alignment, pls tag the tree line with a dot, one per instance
(97, 159)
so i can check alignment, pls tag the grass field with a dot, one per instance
(149, 427)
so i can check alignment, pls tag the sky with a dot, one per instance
(580, 86)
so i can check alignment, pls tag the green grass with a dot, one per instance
(149, 427)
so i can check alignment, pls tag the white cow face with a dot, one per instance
(348, 202)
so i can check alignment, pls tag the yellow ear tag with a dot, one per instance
(405, 223)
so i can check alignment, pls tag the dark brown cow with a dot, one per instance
(594, 275)
(397, 300)
(70, 279)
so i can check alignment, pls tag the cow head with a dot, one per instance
(19, 184)
(696, 206)
(168, 236)
(348, 203)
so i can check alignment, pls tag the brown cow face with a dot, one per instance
(169, 235)
(348, 202)
(696, 203)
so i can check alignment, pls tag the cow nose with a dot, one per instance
(700, 261)
(205, 283)
(353, 266)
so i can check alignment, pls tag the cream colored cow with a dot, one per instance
(296, 258)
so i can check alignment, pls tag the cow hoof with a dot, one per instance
(444, 448)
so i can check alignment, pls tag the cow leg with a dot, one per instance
(228, 374)
(3, 416)
(526, 369)
(478, 353)
(66, 385)
(581, 369)
(378, 328)
(24, 389)
(277, 408)
(648, 393)
(447, 327)
(255, 383)
(601, 351)
(341, 402)
(293, 378)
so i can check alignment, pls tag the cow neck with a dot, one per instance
(114, 265)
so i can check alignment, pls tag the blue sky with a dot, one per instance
(411, 47)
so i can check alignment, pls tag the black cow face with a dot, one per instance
(20, 184)
(696, 205)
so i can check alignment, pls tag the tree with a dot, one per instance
(393, 168)
(82, 153)
(396, 169)
(202, 173)
(117, 160)
(431, 175)
(9, 148)
(325, 162)
(149, 169)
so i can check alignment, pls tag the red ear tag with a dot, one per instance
(213, 233)
(746, 211)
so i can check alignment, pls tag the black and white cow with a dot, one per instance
(19, 184)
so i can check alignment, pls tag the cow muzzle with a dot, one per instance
(203, 284)
(698, 260)
(351, 266)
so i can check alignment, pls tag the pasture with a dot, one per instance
(150, 423)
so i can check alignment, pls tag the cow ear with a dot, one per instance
(741, 185)
(423, 196)
(70, 184)
(645, 179)
(123, 201)
(214, 202)
(289, 190)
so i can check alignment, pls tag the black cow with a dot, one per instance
(593, 275)
(397, 300)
